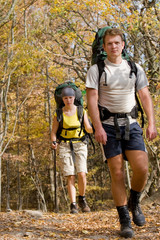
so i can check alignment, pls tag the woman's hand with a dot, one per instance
(54, 145)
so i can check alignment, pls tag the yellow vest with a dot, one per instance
(71, 122)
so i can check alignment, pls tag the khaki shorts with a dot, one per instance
(68, 166)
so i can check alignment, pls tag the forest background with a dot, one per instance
(42, 44)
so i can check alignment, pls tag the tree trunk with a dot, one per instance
(19, 202)
(8, 184)
(36, 180)
(25, 21)
(52, 168)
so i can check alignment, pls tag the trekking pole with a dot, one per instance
(128, 177)
(103, 154)
(55, 183)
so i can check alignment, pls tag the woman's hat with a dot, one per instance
(67, 91)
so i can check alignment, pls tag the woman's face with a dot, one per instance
(68, 100)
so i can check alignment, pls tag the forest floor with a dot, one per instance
(101, 225)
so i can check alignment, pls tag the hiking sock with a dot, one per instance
(81, 197)
(134, 207)
(125, 222)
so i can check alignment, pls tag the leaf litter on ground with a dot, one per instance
(100, 225)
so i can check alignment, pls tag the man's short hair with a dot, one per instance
(113, 32)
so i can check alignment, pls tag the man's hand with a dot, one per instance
(148, 107)
(151, 132)
(101, 136)
(92, 100)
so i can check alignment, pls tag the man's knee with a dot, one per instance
(116, 166)
(118, 175)
(141, 170)
(138, 161)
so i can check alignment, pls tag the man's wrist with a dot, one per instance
(97, 126)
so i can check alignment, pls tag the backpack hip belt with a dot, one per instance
(82, 139)
(106, 114)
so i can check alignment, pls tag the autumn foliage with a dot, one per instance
(44, 43)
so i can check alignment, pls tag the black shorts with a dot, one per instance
(115, 147)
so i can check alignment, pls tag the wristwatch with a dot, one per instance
(54, 142)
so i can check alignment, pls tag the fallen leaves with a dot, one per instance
(102, 225)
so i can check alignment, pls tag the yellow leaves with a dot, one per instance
(52, 234)
(17, 224)
(68, 8)
(100, 225)
(158, 86)
(92, 172)
(62, 6)
(57, 72)
(55, 235)
(85, 231)
(25, 57)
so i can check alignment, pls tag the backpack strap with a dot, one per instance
(87, 136)
(59, 114)
(101, 66)
(72, 150)
(80, 117)
(80, 113)
(134, 70)
(141, 110)
(60, 120)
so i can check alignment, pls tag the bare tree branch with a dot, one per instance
(6, 18)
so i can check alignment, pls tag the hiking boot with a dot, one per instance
(125, 221)
(126, 231)
(83, 204)
(73, 208)
(134, 207)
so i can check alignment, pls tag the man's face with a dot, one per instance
(113, 46)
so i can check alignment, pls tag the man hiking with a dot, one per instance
(112, 108)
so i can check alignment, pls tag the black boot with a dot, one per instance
(125, 221)
(83, 204)
(134, 207)
(73, 208)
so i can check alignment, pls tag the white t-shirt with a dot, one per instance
(119, 94)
